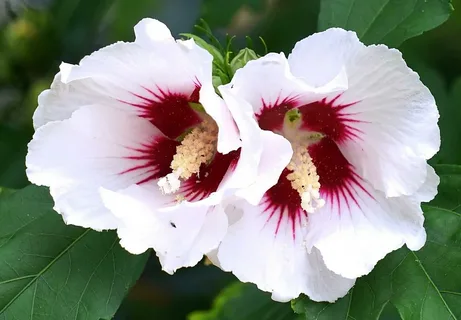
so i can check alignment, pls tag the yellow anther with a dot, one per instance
(197, 147)
(304, 178)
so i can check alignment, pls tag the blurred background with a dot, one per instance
(36, 35)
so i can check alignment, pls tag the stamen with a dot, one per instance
(304, 179)
(197, 147)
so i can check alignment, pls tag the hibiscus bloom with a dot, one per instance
(135, 138)
(361, 126)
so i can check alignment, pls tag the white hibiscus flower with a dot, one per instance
(361, 126)
(135, 138)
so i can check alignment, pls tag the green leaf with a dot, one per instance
(384, 21)
(50, 271)
(422, 285)
(243, 301)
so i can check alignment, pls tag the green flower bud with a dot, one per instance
(242, 58)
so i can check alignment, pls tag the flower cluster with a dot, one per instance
(299, 175)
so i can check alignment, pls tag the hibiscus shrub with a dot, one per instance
(312, 174)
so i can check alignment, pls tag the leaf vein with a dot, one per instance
(17, 279)
(33, 301)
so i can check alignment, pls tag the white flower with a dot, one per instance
(135, 138)
(361, 126)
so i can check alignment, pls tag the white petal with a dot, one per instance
(358, 231)
(276, 263)
(199, 57)
(270, 167)
(393, 116)
(245, 172)
(428, 190)
(80, 205)
(149, 31)
(228, 134)
(77, 156)
(425, 193)
(58, 102)
(180, 234)
(319, 58)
